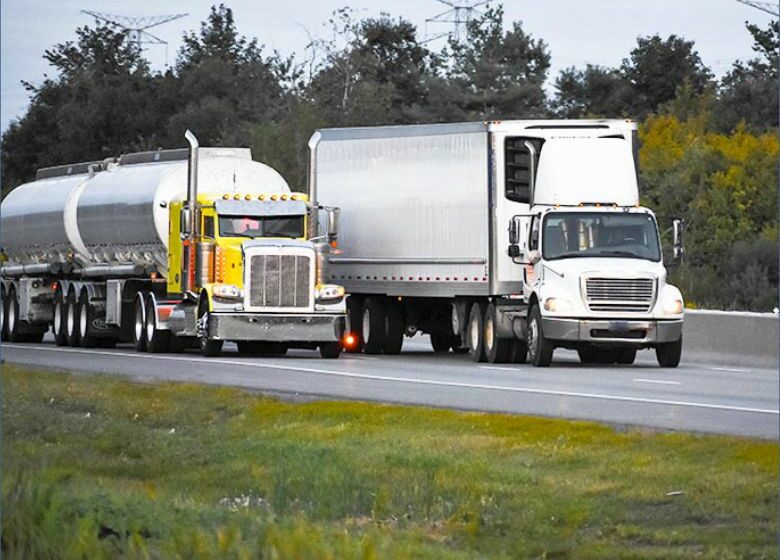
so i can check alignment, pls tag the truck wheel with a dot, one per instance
(12, 316)
(475, 332)
(497, 350)
(208, 347)
(626, 356)
(396, 324)
(441, 342)
(139, 324)
(157, 340)
(540, 349)
(374, 326)
(58, 326)
(3, 315)
(354, 322)
(669, 354)
(72, 320)
(330, 350)
(519, 353)
(86, 316)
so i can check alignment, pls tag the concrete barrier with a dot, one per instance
(731, 337)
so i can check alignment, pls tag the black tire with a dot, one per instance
(374, 326)
(540, 349)
(208, 346)
(330, 350)
(519, 354)
(441, 342)
(475, 332)
(12, 315)
(86, 316)
(157, 340)
(3, 315)
(396, 325)
(354, 322)
(626, 356)
(139, 323)
(497, 350)
(58, 326)
(72, 320)
(669, 354)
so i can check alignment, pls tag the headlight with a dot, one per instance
(228, 291)
(328, 292)
(673, 307)
(557, 305)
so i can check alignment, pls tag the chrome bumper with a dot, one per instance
(639, 333)
(277, 328)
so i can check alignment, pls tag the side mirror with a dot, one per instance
(678, 230)
(333, 223)
(514, 231)
(534, 238)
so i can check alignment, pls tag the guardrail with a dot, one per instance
(732, 338)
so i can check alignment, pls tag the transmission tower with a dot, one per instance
(137, 27)
(768, 7)
(460, 12)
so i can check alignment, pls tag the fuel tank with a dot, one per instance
(117, 211)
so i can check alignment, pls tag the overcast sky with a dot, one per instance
(576, 31)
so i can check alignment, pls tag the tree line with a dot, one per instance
(708, 147)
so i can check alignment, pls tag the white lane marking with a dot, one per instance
(407, 380)
(499, 368)
(737, 370)
(659, 381)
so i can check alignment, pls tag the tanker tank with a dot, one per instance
(117, 212)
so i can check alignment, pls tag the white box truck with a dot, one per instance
(506, 238)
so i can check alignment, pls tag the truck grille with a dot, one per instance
(279, 281)
(623, 295)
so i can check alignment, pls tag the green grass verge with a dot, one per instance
(96, 467)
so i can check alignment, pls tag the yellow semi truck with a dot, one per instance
(169, 249)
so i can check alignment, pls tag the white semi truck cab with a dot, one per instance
(593, 273)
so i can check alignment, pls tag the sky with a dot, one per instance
(577, 32)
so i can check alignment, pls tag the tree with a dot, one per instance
(99, 104)
(225, 83)
(499, 74)
(748, 93)
(657, 67)
(594, 92)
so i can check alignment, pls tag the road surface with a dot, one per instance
(696, 397)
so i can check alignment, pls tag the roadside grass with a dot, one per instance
(96, 467)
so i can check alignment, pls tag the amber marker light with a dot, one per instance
(261, 197)
(284, 197)
(350, 341)
(236, 197)
(248, 197)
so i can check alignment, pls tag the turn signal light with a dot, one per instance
(350, 341)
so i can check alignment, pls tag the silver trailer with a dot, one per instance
(436, 233)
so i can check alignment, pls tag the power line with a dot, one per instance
(460, 13)
(137, 27)
(768, 7)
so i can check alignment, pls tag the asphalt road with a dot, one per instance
(696, 397)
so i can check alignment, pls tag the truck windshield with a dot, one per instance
(600, 234)
(265, 226)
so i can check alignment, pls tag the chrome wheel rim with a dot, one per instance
(149, 326)
(57, 323)
(11, 316)
(139, 323)
(474, 332)
(83, 322)
(489, 334)
(533, 338)
(71, 320)
(366, 325)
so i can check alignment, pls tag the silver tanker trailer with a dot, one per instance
(168, 249)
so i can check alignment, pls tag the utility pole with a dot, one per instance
(137, 27)
(768, 7)
(460, 12)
